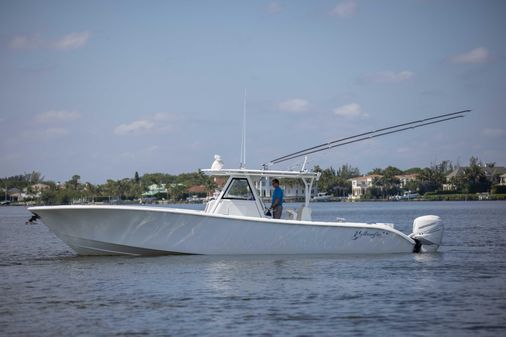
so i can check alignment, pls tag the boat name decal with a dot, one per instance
(367, 234)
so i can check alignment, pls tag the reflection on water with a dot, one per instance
(48, 291)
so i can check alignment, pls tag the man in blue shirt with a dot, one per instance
(277, 200)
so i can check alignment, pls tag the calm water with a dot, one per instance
(45, 290)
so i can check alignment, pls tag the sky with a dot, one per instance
(103, 89)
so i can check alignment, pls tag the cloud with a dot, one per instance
(388, 76)
(26, 42)
(45, 134)
(57, 116)
(294, 105)
(476, 55)
(161, 122)
(352, 110)
(35, 41)
(274, 8)
(344, 9)
(136, 127)
(72, 41)
(494, 133)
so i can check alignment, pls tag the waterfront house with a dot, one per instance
(492, 173)
(406, 178)
(155, 189)
(360, 185)
(197, 193)
(197, 189)
(502, 179)
(40, 187)
(448, 186)
(15, 194)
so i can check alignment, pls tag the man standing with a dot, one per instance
(277, 200)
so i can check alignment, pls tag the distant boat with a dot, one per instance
(406, 196)
(322, 196)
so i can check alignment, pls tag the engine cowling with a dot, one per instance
(428, 232)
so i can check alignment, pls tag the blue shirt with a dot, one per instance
(278, 193)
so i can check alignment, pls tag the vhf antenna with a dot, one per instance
(243, 140)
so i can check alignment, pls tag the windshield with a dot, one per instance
(239, 189)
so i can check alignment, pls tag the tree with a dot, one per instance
(411, 185)
(336, 182)
(136, 187)
(475, 177)
(342, 185)
(432, 178)
(376, 171)
(177, 192)
(413, 170)
(74, 182)
(392, 171)
(347, 171)
(460, 183)
(34, 177)
(110, 189)
(376, 190)
(327, 180)
(210, 186)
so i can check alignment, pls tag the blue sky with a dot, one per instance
(106, 88)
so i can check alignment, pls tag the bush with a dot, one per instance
(498, 189)
(440, 193)
(449, 197)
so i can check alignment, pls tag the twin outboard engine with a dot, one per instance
(427, 233)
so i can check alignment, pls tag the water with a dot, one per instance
(45, 290)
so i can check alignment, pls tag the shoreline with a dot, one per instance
(438, 198)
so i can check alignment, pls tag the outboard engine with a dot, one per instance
(428, 233)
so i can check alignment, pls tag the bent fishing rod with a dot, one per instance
(369, 135)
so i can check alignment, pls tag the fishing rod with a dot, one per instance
(371, 134)
(326, 145)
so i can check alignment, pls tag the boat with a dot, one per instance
(321, 196)
(237, 221)
(406, 196)
(233, 223)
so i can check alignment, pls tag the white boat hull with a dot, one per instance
(137, 230)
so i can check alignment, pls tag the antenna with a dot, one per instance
(243, 140)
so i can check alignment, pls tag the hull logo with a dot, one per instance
(369, 235)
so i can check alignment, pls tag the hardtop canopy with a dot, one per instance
(263, 173)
